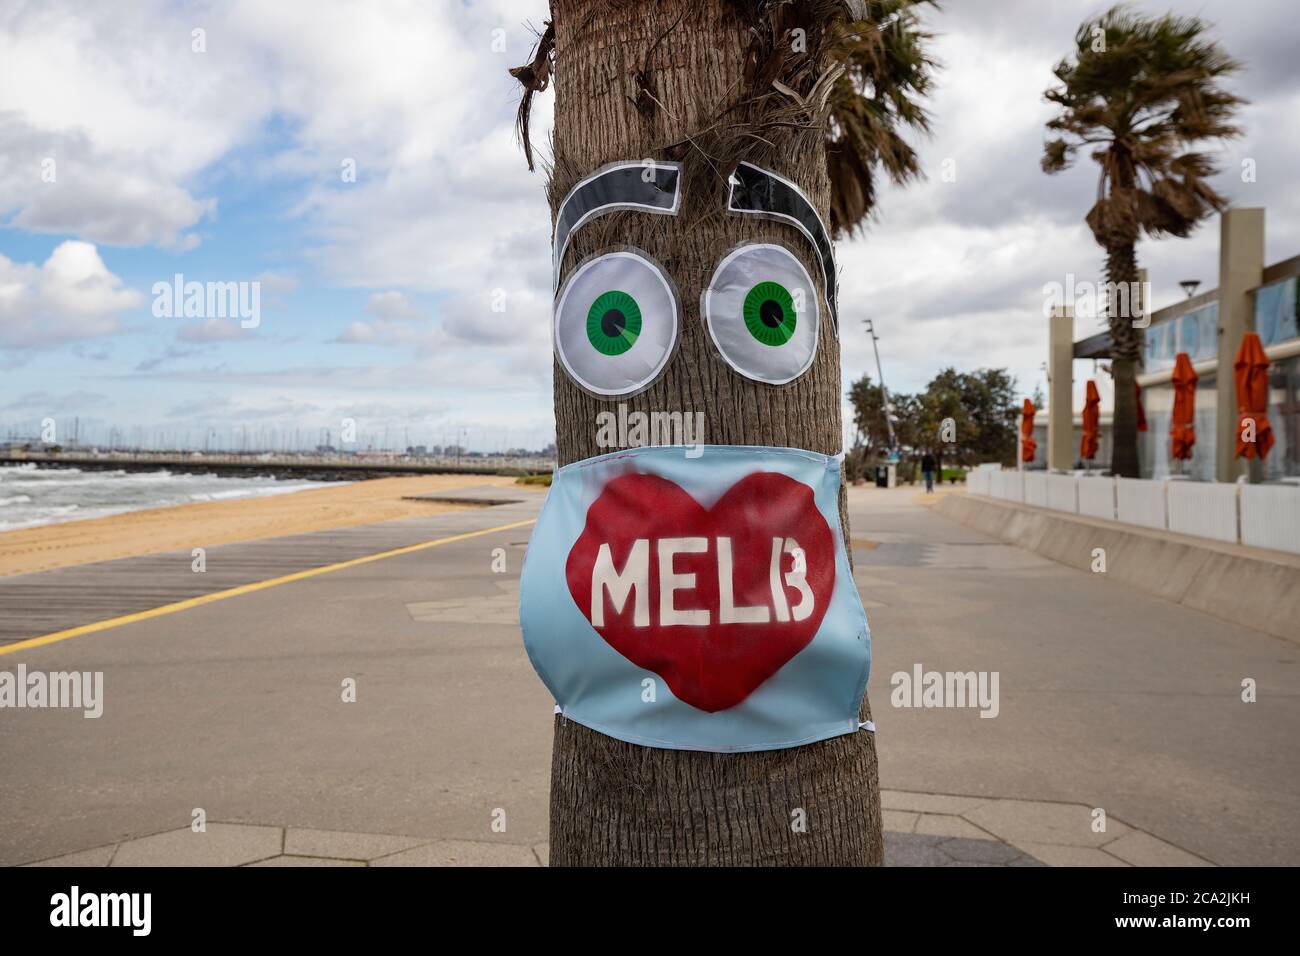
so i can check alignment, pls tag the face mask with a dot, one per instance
(697, 601)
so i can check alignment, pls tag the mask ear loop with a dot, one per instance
(758, 192)
(641, 184)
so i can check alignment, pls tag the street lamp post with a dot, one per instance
(884, 395)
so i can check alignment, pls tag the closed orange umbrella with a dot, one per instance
(1142, 412)
(1251, 368)
(1182, 431)
(1091, 423)
(1027, 444)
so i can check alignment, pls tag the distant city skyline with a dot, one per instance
(241, 438)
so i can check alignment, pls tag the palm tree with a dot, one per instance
(887, 73)
(1141, 93)
(708, 83)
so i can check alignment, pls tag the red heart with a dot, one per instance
(716, 665)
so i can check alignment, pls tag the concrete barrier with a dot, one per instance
(1258, 589)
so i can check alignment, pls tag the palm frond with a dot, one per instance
(888, 72)
(1144, 92)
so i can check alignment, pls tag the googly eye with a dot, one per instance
(616, 323)
(761, 311)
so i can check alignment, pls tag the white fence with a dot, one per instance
(1262, 516)
(1270, 517)
(978, 480)
(1097, 497)
(1008, 485)
(1202, 508)
(1140, 502)
(1036, 488)
(1063, 493)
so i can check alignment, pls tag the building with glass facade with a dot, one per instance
(1195, 330)
(1251, 297)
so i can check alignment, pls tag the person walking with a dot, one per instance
(927, 469)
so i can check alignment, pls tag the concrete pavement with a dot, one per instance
(1109, 699)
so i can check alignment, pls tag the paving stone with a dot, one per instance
(978, 851)
(1056, 855)
(929, 802)
(941, 824)
(99, 856)
(899, 821)
(1142, 849)
(461, 853)
(1031, 821)
(224, 844)
(305, 861)
(907, 849)
(341, 845)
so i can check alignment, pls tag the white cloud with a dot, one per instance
(274, 283)
(45, 403)
(210, 330)
(358, 333)
(391, 305)
(127, 111)
(71, 296)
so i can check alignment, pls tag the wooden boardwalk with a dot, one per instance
(43, 602)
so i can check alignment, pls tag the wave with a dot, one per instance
(32, 497)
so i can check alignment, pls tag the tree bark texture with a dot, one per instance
(1126, 352)
(691, 81)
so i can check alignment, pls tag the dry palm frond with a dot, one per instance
(1142, 92)
(888, 72)
(856, 79)
(534, 76)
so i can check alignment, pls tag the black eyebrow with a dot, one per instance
(636, 184)
(757, 192)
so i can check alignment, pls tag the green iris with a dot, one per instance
(613, 322)
(769, 313)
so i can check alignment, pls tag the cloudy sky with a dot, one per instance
(357, 160)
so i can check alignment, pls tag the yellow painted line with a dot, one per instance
(202, 599)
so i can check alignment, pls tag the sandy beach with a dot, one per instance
(207, 524)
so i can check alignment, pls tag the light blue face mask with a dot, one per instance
(697, 598)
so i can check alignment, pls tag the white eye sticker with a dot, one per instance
(761, 310)
(616, 323)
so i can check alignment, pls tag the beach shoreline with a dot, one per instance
(210, 523)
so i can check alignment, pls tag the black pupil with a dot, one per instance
(613, 322)
(771, 313)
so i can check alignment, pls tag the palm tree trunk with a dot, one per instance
(1126, 351)
(668, 81)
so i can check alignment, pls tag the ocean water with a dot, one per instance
(31, 496)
